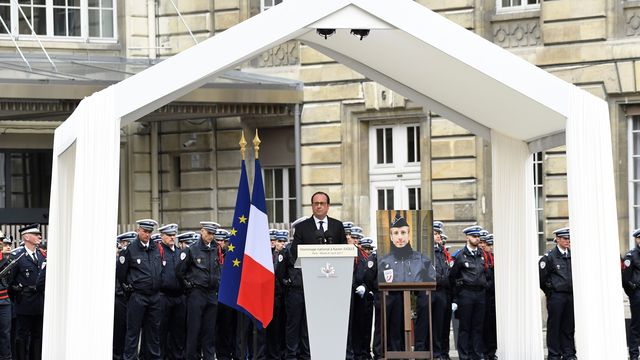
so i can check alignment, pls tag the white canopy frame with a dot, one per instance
(417, 53)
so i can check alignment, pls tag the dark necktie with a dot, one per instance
(33, 256)
(320, 227)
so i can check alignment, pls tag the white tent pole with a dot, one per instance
(518, 314)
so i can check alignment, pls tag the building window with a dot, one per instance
(634, 172)
(268, 4)
(73, 19)
(25, 179)
(413, 144)
(538, 177)
(415, 194)
(517, 5)
(280, 194)
(385, 199)
(384, 145)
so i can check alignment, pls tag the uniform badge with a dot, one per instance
(121, 259)
(138, 261)
(199, 260)
(542, 264)
(27, 273)
(164, 262)
(386, 266)
(43, 265)
(466, 264)
(370, 264)
(627, 263)
(280, 258)
(183, 256)
(388, 275)
(558, 266)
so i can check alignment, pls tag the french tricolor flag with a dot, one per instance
(257, 281)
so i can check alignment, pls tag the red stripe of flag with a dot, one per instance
(257, 286)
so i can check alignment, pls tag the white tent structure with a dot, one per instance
(416, 53)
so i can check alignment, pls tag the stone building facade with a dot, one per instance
(368, 147)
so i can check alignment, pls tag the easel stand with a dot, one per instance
(409, 343)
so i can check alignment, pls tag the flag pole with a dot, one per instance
(243, 145)
(256, 144)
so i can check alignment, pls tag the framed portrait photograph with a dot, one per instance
(405, 247)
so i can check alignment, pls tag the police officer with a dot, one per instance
(441, 297)
(366, 285)
(489, 332)
(172, 331)
(27, 288)
(139, 269)
(353, 234)
(226, 318)
(276, 329)
(631, 285)
(557, 284)
(120, 307)
(187, 238)
(5, 306)
(199, 271)
(469, 278)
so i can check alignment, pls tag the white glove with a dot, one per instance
(360, 291)
(454, 306)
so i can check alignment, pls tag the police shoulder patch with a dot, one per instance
(121, 259)
(183, 256)
(370, 264)
(627, 263)
(280, 257)
(542, 264)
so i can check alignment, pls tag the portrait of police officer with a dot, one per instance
(556, 282)
(631, 286)
(199, 271)
(468, 277)
(27, 281)
(404, 264)
(139, 270)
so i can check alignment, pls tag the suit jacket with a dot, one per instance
(306, 233)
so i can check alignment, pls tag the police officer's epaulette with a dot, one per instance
(17, 251)
(628, 254)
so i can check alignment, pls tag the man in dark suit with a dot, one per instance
(320, 228)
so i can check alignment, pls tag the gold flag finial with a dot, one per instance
(243, 145)
(256, 144)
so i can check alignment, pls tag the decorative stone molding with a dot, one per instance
(282, 55)
(517, 33)
(632, 22)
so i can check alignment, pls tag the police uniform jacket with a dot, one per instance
(631, 271)
(292, 275)
(199, 266)
(366, 271)
(468, 270)
(442, 269)
(170, 284)
(4, 282)
(279, 270)
(411, 267)
(555, 271)
(28, 278)
(140, 267)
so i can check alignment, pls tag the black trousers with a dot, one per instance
(226, 334)
(202, 309)
(5, 331)
(297, 340)
(421, 328)
(173, 327)
(634, 336)
(490, 334)
(395, 321)
(377, 326)
(560, 325)
(471, 308)
(28, 337)
(119, 326)
(275, 332)
(363, 319)
(441, 312)
(143, 312)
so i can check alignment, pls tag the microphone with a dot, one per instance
(328, 237)
(320, 237)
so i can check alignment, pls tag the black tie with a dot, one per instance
(321, 228)
(35, 259)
